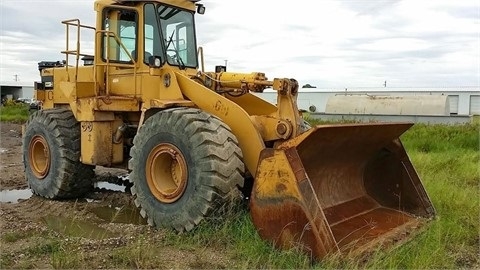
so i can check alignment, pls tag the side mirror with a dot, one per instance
(200, 9)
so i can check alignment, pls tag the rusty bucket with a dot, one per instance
(339, 188)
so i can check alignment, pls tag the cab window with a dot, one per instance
(152, 41)
(179, 36)
(122, 23)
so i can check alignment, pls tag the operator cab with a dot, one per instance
(165, 35)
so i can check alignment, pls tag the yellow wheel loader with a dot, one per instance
(192, 138)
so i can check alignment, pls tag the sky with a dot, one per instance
(325, 43)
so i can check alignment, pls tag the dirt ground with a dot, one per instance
(35, 231)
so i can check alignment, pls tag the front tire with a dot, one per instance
(185, 164)
(51, 155)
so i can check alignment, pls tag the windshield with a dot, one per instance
(179, 36)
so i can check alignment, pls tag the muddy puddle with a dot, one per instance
(15, 195)
(81, 228)
(76, 228)
(125, 214)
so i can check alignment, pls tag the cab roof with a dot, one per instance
(186, 4)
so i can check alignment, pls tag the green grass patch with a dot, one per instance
(236, 235)
(11, 237)
(317, 121)
(139, 254)
(6, 260)
(14, 113)
(48, 247)
(66, 258)
(442, 138)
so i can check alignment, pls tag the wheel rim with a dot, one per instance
(39, 156)
(166, 172)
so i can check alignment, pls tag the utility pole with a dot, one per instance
(16, 77)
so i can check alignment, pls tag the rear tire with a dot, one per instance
(51, 155)
(185, 164)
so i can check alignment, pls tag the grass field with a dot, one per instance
(14, 113)
(447, 159)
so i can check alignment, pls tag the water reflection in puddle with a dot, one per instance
(126, 214)
(14, 195)
(110, 186)
(76, 228)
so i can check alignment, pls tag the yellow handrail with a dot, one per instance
(76, 52)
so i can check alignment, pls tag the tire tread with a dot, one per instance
(220, 165)
(72, 179)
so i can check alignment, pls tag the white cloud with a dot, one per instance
(31, 31)
(328, 43)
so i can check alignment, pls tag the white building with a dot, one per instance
(14, 90)
(463, 100)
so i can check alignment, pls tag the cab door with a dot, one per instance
(119, 51)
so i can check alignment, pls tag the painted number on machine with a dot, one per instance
(221, 108)
(87, 127)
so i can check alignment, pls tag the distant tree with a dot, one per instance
(308, 86)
